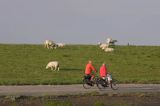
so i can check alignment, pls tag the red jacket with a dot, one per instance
(89, 68)
(103, 71)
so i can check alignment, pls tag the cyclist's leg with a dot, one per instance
(104, 78)
(92, 77)
(87, 76)
(109, 78)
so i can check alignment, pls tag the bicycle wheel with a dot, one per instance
(113, 85)
(101, 84)
(86, 84)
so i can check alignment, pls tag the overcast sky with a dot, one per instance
(80, 21)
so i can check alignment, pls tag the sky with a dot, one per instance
(135, 22)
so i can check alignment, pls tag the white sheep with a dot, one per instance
(61, 45)
(108, 49)
(110, 41)
(53, 64)
(49, 44)
(103, 46)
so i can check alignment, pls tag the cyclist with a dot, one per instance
(104, 73)
(89, 69)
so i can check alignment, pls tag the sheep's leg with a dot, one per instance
(55, 47)
(47, 46)
(55, 69)
(50, 46)
(58, 68)
(51, 68)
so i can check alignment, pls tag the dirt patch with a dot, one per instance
(116, 101)
(140, 99)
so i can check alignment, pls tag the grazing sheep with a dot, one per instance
(108, 49)
(53, 64)
(49, 44)
(103, 46)
(61, 45)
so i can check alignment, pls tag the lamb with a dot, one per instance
(103, 46)
(53, 64)
(108, 49)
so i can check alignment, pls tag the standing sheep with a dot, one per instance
(49, 44)
(110, 41)
(53, 64)
(61, 45)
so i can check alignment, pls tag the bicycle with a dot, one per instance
(102, 83)
(88, 83)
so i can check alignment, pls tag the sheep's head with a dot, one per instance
(47, 67)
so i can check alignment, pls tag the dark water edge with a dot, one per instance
(134, 99)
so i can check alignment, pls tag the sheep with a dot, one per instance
(53, 64)
(110, 41)
(49, 44)
(61, 45)
(103, 46)
(108, 49)
(113, 42)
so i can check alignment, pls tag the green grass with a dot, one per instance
(25, 64)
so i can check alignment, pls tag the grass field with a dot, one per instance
(25, 64)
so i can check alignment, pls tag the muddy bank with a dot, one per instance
(134, 99)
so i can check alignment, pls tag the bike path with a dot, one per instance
(76, 89)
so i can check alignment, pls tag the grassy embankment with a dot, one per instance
(25, 64)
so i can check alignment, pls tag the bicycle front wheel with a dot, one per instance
(114, 85)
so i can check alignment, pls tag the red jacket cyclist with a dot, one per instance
(89, 69)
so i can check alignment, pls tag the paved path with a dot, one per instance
(44, 90)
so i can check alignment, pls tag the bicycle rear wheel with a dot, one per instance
(87, 84)
(101, 84)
